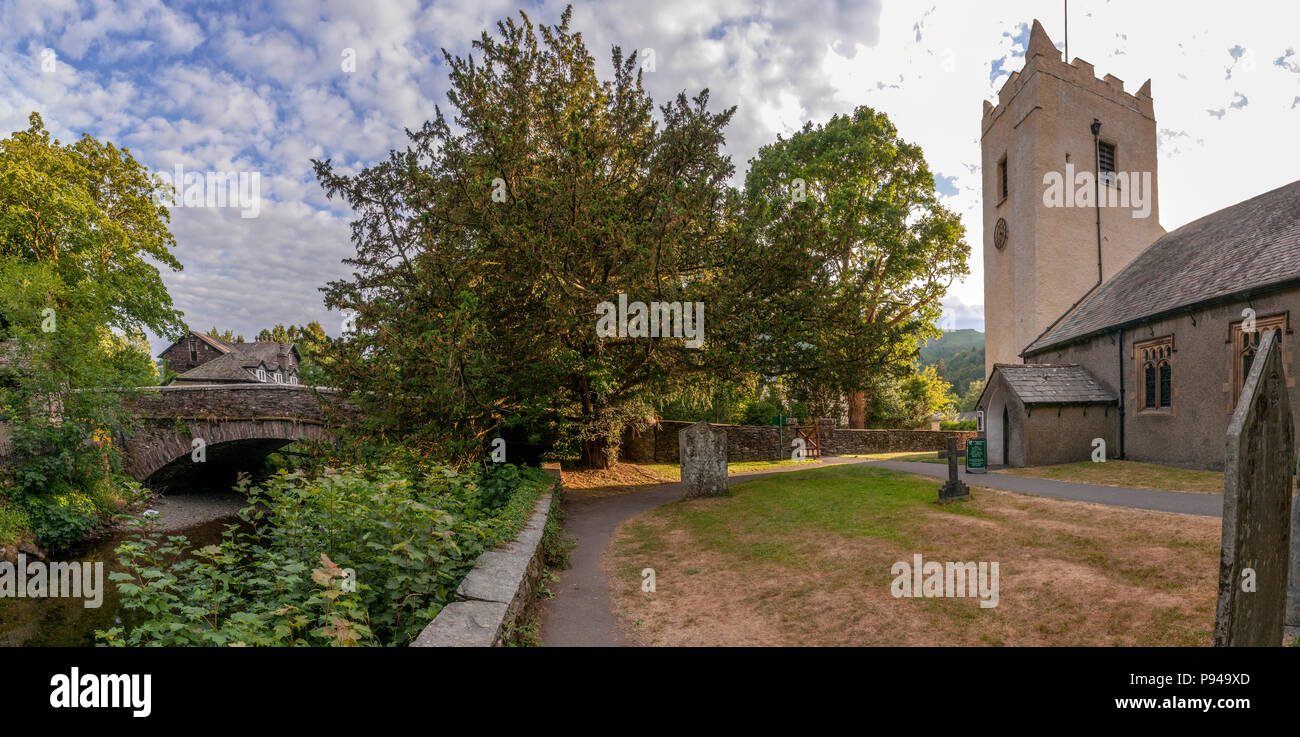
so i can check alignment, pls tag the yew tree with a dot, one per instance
(484, 249)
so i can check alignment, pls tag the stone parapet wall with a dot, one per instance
(658, 444)
(232, 400)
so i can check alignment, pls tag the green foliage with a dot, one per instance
(969, 398)
(405, 540)
(80, 234)
(14, 521)
(908, 402)
(958, 356)
(957, 425)
(485, 249)
(63, 520)
(879, 250)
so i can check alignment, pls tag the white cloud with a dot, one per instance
(260, 88)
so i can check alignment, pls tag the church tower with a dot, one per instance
(1054, 127)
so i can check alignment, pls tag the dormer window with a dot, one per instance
(261, 374)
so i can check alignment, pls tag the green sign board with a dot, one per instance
(975, 461)
(780, 420)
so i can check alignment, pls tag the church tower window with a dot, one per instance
(1106, 162)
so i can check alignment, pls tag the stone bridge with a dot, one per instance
(239, 424)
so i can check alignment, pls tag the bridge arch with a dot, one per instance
(238, 424)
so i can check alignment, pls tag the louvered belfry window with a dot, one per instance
(1106, 161)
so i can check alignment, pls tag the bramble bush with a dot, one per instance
(351, 557)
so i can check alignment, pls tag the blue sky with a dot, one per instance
(261, 87)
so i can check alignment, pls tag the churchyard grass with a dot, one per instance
(1130, 474)
(927, 457)
(806, 558)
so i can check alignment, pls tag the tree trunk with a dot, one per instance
(857, 410)
(595, 453)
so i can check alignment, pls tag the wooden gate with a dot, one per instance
(812, 440)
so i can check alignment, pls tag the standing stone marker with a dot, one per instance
(1257, 508)
(1293, 585)
(955, 488)
(703, 452)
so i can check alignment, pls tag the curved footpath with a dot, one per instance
(581, 613)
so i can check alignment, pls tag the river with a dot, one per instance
(201, 515)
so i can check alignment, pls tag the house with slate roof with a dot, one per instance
(198, 358)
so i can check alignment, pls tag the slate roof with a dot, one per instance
(1250, 246)
(1053, 383)
(248, 355)
(225, 368)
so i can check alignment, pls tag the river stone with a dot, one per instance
(1257, 507)
(703, 452)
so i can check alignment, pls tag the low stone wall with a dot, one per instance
(497, 593)
(843, 441)
(658, 444)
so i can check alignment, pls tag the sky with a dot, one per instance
(264, 87)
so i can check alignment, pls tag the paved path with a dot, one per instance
(1182, 502)
(581, 614)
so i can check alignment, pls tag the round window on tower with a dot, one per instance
(1000, 233)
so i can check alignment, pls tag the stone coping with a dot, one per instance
(496, 593)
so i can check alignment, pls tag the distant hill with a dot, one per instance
(962, 356)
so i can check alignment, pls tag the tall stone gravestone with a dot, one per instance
(1293, 585)
(1253, 566)
(703, 452)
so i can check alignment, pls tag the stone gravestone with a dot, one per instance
(955, 488)
(1293, 585)
(1253, 566)
(703, 452)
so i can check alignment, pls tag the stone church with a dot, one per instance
(1100, 326)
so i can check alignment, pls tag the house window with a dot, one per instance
(1155, 364)
(293, 379)
(261, 374)
(279, 377)
(1106, 162)
(1245, 344)
(194, 351)
(1002, 178)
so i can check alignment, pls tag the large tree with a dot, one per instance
(859, 203)
(82, 233)
(485, 249)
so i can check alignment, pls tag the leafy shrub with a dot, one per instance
(62, 520)
(14, 520)
(400, 544)
(957, 425)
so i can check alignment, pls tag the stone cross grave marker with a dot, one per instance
(703, 452)
(954, 488)
(1253, 566)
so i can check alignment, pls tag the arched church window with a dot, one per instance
(1155, 359)
(1166, 384)
(1245, 345)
